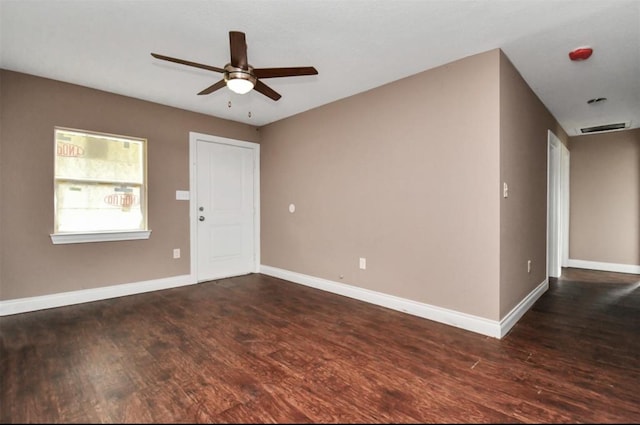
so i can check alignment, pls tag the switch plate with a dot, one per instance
(182, 195)
(176, 253)
(363, 263)
(529, 266)
(505, 190)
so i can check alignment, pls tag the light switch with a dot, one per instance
(363, 263)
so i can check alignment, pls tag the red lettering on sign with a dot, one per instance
(121, 199)
(69, 149)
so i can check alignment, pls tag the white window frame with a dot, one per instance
(104, 236)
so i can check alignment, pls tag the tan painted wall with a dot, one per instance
(605, 197)
(524, 121)
(405, 175)
(30, 264)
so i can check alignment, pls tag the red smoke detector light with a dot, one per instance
(580, 54)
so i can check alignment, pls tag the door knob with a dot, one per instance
(201, 218)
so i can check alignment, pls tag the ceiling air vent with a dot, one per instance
(606, 127)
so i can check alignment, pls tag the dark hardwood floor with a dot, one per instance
(256, 349)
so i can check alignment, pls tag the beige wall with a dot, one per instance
(605, 198)
(524, 122)
(30, 264)
(405, 175)
(408, 175)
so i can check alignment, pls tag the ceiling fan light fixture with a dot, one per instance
(238, 80)
(239, 85)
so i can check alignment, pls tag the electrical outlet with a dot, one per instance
(505, 190)
(529, 266)
(363, 263)
(176, 253)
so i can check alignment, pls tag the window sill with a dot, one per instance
(66, 238)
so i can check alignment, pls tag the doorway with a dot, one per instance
(224, 207)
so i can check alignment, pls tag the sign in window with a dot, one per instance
(100, 182)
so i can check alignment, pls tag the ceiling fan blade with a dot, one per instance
(184, 62)
(266, 90)
(220, 84)
(238, 45)
(284, 72)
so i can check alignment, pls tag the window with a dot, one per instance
(100, 187)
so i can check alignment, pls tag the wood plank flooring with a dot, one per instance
(256, 349)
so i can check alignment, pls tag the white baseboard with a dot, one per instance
(607, 267)
(458, 319)
(465, 321)
(523, 306)
(23, 305)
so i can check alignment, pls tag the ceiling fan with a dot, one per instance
(238, 75)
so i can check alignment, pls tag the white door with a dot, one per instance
(225, 215)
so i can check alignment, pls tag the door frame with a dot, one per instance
(558, 218)
(194, 137)
(565, 166)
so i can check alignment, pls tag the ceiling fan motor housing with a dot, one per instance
(231, 73)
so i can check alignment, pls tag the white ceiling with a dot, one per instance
(355, 45)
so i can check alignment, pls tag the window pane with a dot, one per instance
(94, 207)
(100, 182)
(81, 156)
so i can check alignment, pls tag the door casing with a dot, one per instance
(557, 205)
